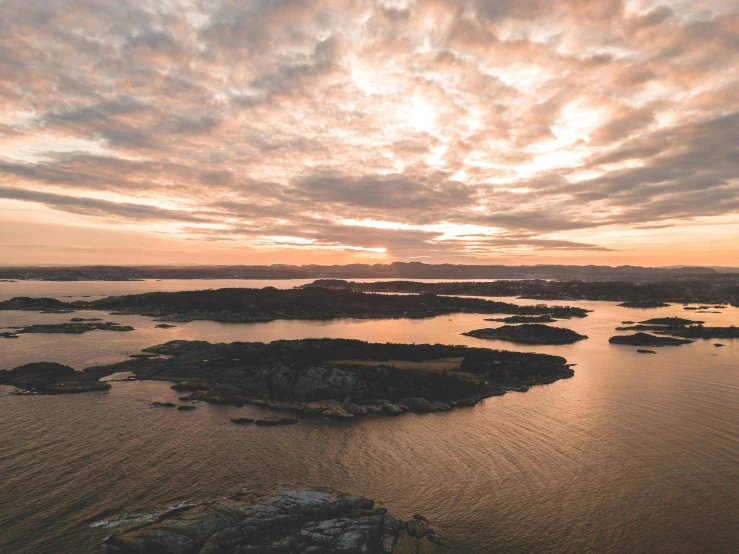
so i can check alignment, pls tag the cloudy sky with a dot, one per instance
(338, 131)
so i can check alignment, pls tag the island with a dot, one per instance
(245, 305)
(51, 378)
(67, 328)
(529, 333)
(645, 339)
(644, 304)
(672, 321)
(340, 378)
(280, 520)
(524, 319)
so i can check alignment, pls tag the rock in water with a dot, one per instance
(242, 420)
(275, 421)
(281, 520)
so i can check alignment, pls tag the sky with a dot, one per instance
(340, 131)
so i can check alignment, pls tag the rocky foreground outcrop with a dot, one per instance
(282, 520)
(341, 377)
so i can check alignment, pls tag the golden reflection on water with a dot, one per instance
(635, 453)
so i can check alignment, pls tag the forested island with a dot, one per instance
(254, 305)
(332, 377)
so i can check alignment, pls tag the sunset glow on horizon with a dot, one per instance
(296, 131)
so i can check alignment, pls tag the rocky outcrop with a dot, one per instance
(272, 421)
(50, 378)
(529, 333)
(278, 521)
(645, 339)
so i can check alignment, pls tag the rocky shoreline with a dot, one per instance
(282, 520)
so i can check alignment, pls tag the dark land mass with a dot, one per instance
(645, 339)
(641, 351)
(700, 332)
(267, 304)
(68, 328)
(339, 377)
(524, 319)
(51, 378)
(661, 324)
(281, 520)
(650, 294)
(672, 321)
(396, 270)
(529, 333)
(640, 327)
(644, 304)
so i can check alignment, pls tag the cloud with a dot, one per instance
(99, 208)
(244, 120)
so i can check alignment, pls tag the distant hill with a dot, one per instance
(396, 270)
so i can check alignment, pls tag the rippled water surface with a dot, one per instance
(635, 453)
